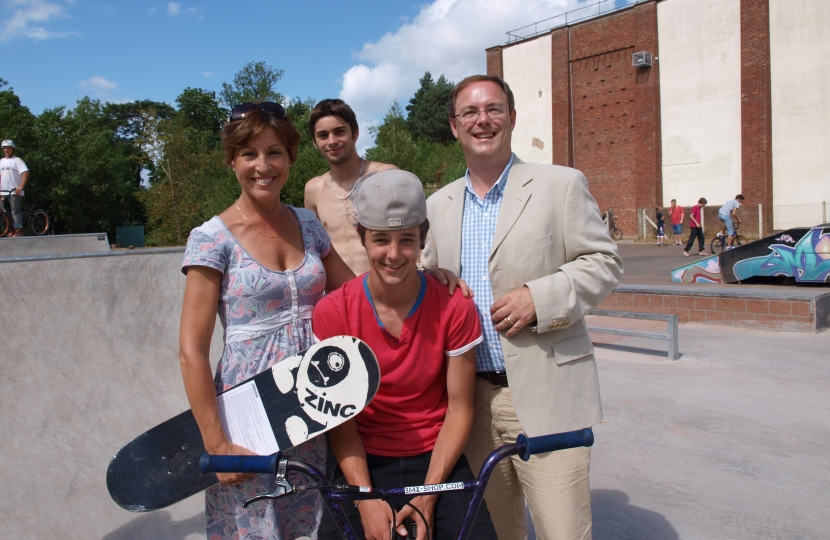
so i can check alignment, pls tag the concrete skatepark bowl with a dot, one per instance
(729, 441)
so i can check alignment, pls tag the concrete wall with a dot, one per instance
(527, 69)
(800, 72)
(700, 99)
(90, 361)
(58, 244)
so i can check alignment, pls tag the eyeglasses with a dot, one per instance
(494, 112)
(268, 107)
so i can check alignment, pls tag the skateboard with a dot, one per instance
(295, 400)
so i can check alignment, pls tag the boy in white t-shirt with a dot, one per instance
(13, 177)
(727, 213)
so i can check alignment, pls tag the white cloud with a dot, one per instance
(26, 18)
(207, 74)
(448, 37)
(151, 11)
(100, 83)
(101, 88)
(174, 8)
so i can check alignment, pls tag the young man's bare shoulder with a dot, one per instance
(313, 186)
(374, 167)
(312, 191)
(317, 182)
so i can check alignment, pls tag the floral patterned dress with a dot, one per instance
(267, 317)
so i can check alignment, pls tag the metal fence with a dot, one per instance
(787, 216)
(784, 216)
(564, 19)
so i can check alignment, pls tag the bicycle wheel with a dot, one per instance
(5, 225)
(39, 222)
(718, 244)
(740, 240)
(617, 234)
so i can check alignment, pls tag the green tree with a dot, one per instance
(189, 184)
(16, 121)
(128, 119)
(200, 109)
(435, 163)
(427, 110)
(255, 83)
(393, 141)
(92, 175)
(309, 161)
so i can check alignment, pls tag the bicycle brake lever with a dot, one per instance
(283, 487)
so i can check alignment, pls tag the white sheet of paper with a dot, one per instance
(244, 419)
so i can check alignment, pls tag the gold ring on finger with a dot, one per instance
(508, 320)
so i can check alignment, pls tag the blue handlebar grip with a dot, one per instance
(239, 464)
(557, 441)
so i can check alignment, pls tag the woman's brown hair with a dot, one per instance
(237, 133)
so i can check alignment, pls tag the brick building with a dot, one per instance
(722, 109)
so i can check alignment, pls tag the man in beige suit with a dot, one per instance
(530, 242)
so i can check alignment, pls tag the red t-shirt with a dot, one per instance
(695, 213)
(408, 411)
(676, 215)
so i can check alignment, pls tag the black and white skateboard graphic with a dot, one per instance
(297, 399)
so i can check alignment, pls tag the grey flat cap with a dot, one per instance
(391, 200)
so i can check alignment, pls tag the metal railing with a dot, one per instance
(671, 335)
(575, 15)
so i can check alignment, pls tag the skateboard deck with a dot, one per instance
(295, 400)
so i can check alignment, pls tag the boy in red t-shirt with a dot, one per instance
(696, 228)
(414, 430)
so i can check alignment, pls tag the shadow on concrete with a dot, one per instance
(615, 519)
(630, 349)
(158, 526)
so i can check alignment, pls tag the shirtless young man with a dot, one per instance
(333, 129)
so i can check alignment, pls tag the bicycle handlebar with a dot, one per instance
(241, 464)
(528, 446)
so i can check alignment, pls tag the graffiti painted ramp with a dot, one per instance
(700, 270)
(801, 253)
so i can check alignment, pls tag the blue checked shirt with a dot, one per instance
(478, 227)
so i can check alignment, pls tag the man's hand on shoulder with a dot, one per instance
(518, 306)
(448, 278)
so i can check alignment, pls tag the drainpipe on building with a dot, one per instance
(760, 222)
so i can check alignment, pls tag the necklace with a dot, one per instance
(262, 233)
(356, 182)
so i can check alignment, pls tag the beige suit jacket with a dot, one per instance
(551, 238)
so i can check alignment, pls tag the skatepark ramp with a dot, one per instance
(802, 254)
(90, 361)
(59, 244)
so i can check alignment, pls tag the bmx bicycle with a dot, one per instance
(333, 495)
(34, 219)
(611, 222)
(721, 241)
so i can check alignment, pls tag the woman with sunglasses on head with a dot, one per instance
(265, 265)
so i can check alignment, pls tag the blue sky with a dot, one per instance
(368, 52)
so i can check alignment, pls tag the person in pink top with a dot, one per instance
(696, 228)
(414, 430)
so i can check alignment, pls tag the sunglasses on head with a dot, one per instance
(268, 107)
